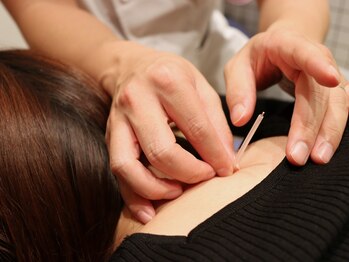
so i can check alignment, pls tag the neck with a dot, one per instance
(204, 199)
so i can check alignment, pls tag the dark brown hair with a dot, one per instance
(58, 198)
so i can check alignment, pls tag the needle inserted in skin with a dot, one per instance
(248, 139)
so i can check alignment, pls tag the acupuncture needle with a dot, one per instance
(248, 139)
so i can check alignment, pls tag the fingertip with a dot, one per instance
(241, 114)
(241, 90)
(141, 209)
(176, 189)
(209, 174)
(323, 153)
(221, 164)
(145, 215)
(237, 114)
(298, 153)
(225, 171)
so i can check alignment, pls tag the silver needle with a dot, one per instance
(248, 139)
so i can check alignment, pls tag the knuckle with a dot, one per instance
(333, 131)
(161, 74)
(197, 129)
(119, 167)
(319, 95)
(293, 76)
(307, 125)
(157, 155)
(309, 128)
(127, 97)
(270, 45)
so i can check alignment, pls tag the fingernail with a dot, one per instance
(325, 152)
(334, 72)
(173, 194)
(144, 216)
(300, 153)
(237, 113)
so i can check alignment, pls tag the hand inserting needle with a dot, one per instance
(248, 139)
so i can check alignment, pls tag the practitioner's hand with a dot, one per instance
(153, 90)
(320, 113)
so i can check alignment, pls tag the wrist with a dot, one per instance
(292, 26)
(112, 61)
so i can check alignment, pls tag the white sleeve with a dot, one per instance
(239, 2)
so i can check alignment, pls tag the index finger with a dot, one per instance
(187, 110)
(150, 125)
(312, 58)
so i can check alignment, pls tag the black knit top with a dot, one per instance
(294, 214)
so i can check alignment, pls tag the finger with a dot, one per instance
(158, 173)
(158, 143)
(309, 111)
(124, 154)
(213, 107)
(141, 208)
(303, 55)
(241, 88)
(333, 126)
(183, 104)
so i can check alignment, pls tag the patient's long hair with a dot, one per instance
(58, 199)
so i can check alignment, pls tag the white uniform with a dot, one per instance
(194, 29)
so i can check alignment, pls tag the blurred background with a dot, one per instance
(337, 38)
(246, 16)
(10, 36)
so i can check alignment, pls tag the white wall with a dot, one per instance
(10, 36)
